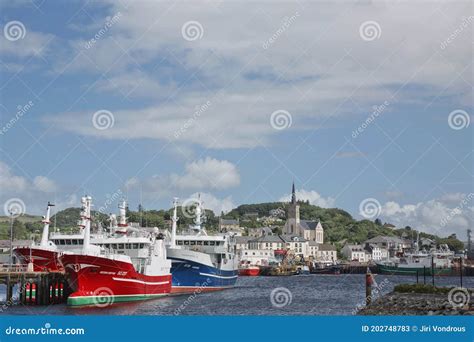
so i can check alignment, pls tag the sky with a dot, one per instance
(365, 105)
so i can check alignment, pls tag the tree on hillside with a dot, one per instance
(19, 230)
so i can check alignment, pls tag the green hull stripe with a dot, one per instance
(99, 300)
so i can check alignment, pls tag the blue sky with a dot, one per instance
(191, 88)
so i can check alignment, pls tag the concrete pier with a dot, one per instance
(34, 288)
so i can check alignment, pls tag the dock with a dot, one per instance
(33, 287)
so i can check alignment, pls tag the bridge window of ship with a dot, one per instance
(193, 243)
(199, 243)
(142, 245)
(121, 246)
(186, 243)
(211, 243)
(135, 246)
(179, 242)
(206, 243)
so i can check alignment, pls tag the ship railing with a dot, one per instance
(16, 268)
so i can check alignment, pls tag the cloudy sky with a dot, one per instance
(365, 105)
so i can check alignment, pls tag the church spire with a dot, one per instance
(293, 194)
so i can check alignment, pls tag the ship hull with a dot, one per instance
(190, 276)
(43, 260)
(101, 281)
(249, 272)
(386, 269)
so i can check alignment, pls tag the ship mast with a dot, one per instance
(87, 231)
(46, 222)
(199, 216)
(174, 220)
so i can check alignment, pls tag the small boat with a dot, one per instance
(302, 270)
(249, 270)
(326, 269)
(437, 262)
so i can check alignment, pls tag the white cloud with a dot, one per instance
(44, 184)
(257, 81)
(312, 196)
(33, 44)
(34, 193)
(207, 173)
(435, 216)
(202, 174)
(11, 182)
(217, 205)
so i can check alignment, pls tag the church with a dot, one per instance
(309, 230)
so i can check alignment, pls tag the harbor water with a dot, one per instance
(292, 295)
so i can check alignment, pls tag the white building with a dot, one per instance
(355, 253)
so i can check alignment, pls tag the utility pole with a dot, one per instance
(11, 238)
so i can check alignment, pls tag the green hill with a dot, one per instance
(339, 226)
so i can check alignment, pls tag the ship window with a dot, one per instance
(68, 242)
(211, 243)
(61, 242)
(106, 245)
(135, 246)
(141, 245)
(186, 243)
(206, 243)
(179, 242)
(128, 246)
(74, 242)
(199, 243)
(121, 246)
(193, 243)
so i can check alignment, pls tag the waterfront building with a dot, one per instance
(375, 252)
(259, 231)
(230, 226)
(393, 244)
(242, 242)
(355, 253)
(326, 252)
(260, 257)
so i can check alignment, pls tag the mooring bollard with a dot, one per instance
(368, 287)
